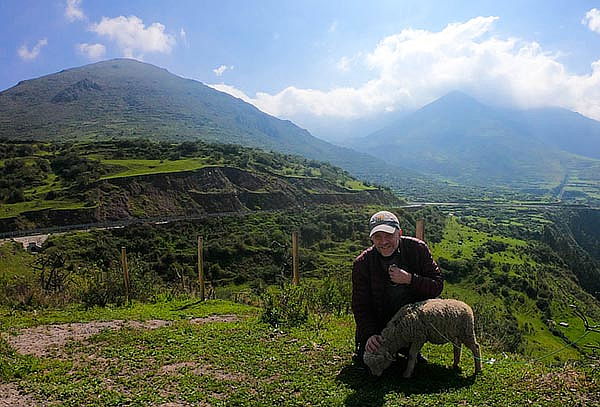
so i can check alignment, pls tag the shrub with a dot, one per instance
(285, 307)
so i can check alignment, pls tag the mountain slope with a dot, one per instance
(50, 185)
(457, 137)
(566, 130)
(126, 98)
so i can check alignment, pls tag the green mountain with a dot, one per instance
(125, 98)
(566, 130)
(460, 139)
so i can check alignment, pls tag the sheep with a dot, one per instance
(437, 321)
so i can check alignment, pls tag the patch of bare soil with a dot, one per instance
(219, 374)
(40, 340)
(11, 397)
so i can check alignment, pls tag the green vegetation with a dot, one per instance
(520, 292)
(292, 345)
(521, 261)
(65, 176)
(141, 167)
(242, 361)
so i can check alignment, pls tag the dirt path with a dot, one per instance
(44, 340)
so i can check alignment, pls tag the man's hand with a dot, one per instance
(399, 276)
(373, 343)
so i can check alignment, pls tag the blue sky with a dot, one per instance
(326, 61)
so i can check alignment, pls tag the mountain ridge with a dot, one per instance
(458, 138)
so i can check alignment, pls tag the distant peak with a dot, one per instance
(458, 95)
(454, 100)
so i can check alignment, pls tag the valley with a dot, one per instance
(123, 154)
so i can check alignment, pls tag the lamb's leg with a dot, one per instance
(457, 346)
(475, 348)
(415, 347)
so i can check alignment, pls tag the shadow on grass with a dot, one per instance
(371, 391)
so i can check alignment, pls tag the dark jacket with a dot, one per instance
(369, 279)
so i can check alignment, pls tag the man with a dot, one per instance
(395, 271)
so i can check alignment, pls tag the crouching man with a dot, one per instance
(396, 270)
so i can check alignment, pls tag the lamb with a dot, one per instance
(437, 321)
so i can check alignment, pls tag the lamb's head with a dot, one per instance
(378, 361)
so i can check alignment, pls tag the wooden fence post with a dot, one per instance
(125, 273)
(201, 268)
(420, 229)
(295, 259)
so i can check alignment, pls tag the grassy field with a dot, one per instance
(10, 210)
(142, 167)
(235, 360)
(460, 241)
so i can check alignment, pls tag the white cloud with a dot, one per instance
(220, 70)
(592, 20)
(233, 92)
(133, 37)
(29, 55)
(92, 51)
(414, 67)
(73, 10)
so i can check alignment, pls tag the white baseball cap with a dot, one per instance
(383, 221)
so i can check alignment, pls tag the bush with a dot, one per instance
(101, 287)
(286, 307)
(292, 305)
(333, 296)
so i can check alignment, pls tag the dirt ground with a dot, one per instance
(44, 340)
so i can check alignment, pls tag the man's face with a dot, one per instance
(386, 243)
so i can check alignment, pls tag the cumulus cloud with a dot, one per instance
(592, 20)
(220, 70)
(31, 54)
(133, 37)
(92, 51)
(414, 67)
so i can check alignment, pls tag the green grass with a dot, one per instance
(357, 186)
(10, 210)
(248, 363)
(14, 260)
(460, 241)
(140, 167)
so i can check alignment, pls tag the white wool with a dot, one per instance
(437, 321)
